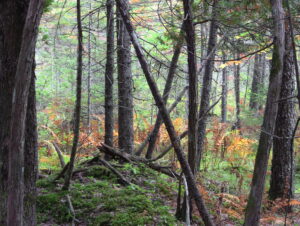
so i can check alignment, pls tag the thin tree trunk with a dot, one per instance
(224, 93)
(237, 95)
(285, 123)
(109, 76)
(89, 72)
(78, 100)
(125, 120)
(30, 156)
(255, 90)
(192, 74)
(165, 115)
(252, 214)
(169, 81)
(206, 85)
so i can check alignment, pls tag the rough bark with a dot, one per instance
(12, 20)
(109, 76)
(19, 109)
(253, 208)
(30, 157)
(78, 100)
(224, 93)
(285, 123)
(125, 105)
(195, 194)
(206, 85)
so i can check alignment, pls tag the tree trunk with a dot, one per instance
(166, 117)
(192, 73)
(206, 85)
(224, 93)
(19, 109)
(169, 81)
(125, 120)
(10, 45)
(256, 83)
(78, 100)
(109, 76)
(252, 214)
(30, 157)
(237, 95)
(282, 167)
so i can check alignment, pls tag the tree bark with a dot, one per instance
(109, 76)
(30, 156)
(282, 167)
(125, 120)
(19, 109)
(252, 214)
(166, 117)
(11, 35)
(192, 74)
(78, 100)
(206, 85)
(256, 83)
(224, 93)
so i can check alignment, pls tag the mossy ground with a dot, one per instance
(99, 200)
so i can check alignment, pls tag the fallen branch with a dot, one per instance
(134, 159)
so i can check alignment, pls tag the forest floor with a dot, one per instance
(98, 198)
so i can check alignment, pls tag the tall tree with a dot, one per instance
(224, 92)
(192, 70)
(125, 110)
(193, 190)
(22, 80)
(237, 95)
(252, 214)
(31, 156)
(77, 110)
(207, 82)
(282, 162)
(256, 82)
(109, 75)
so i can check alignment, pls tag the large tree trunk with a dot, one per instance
(109, 76)
(224, 92)
(282, 165)
(206, 85)
(252, 214)
(12, 20)
(19, 109)
(77, 110)
(195, 194)
(125, 120)
(30, 157)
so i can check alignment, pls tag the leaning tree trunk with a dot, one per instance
(224, 92)
(195, 194)
(30, 157)
(78, 100)
(19, 110)
(109, 76)
(252, 214)
(282, 165)
(206, 85)
(125, 120)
